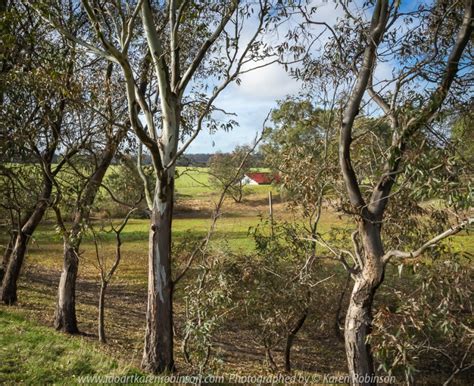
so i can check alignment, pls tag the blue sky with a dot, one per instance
(261, 89)
(255, 97)
(251, 101)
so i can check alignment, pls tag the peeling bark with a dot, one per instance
(158, 350)
(359, 317)
(357, 328)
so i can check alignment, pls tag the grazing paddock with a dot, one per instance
(237, 348)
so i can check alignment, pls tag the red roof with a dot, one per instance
(262, 178)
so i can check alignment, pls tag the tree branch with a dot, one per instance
(204, 48)
(377, 29)
(452, 231)
(379, 197)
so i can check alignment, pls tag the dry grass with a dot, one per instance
(316, 350)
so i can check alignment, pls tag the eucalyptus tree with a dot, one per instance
(462, 134)
(102, 117)
(196, 48)
(37, 84)
(18, 194)
(106, 273)
(301, 149)
(429, 50)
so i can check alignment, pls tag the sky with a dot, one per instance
(251, 101)
(261, 89)
(254, 98)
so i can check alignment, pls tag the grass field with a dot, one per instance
(34, 354)
(35, 346)
(192, 182)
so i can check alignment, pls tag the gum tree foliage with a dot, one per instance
(211, 297)
(426, 324)
(461, 135)
(209, 302)
(300, 147)
(278, 283)
(19, 194)
(103, 117)
(428, 47)
(126, 186)
(170, 100)
(37, 89)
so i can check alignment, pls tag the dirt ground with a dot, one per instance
(125, 315)
(316, 350)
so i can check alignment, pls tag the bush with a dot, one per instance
(425, 325)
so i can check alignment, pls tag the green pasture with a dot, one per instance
(34, 354)
(231, 234)
(193, 182)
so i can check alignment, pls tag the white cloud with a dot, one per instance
(271, 82)
(258, 93)
(251, 101)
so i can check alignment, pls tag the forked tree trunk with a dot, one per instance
(158, 351)
(271, 361)
(359, 318)
(9, 283)
(291, 337)
(65, 313)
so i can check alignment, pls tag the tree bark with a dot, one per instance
(65, 314)
(17, 256)
(358, 323)
(158, 351)
(9, 283)
(359, 318)
(7, 254)
(338, 319)
(101, 328)
(357, 328)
